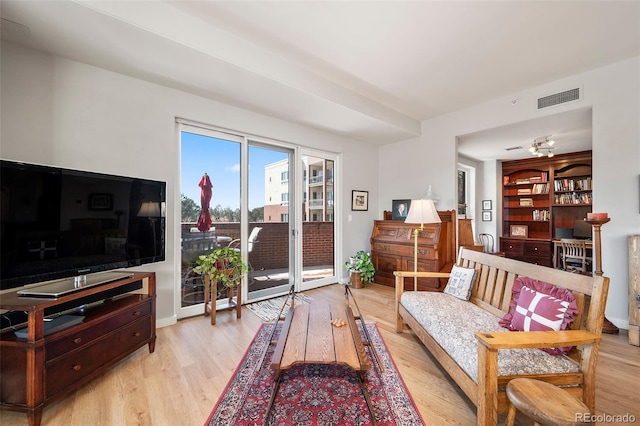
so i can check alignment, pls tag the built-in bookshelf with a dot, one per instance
(540, 195)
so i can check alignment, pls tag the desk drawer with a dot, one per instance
(403, 250)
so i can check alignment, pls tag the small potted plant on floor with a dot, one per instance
(223, 269)
(361, 269)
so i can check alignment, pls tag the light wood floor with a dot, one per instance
(180, 382)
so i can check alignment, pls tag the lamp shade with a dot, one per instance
(149, 209)
(422, 211)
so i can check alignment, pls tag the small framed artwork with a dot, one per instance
(486, 204)
(519, 231)
(359, 200)
(400, 209)
(100, 201)
(486, 216)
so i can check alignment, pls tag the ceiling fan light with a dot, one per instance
(540, 154)
(551, 142)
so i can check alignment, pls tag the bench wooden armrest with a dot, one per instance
(490, 342)
(400, 276)
(405, 274)
(535, 339)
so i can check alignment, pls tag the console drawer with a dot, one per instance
(80, 338)
(512, 248)
(537, 248)
(68, 370)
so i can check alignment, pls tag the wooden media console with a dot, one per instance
(118, 318)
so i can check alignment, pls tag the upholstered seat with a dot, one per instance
(453, 323)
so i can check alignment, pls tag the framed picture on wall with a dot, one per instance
(400, 209)
(486, 216)
(486, 204)
(359, 200)
(519, 231)
(100, 202)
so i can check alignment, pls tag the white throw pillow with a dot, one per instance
(461, 282)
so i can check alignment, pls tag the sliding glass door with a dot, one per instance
(317, 259)
(272, 201)
(210, 163)
(270, 209)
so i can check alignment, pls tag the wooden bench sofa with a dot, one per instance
(492, 294)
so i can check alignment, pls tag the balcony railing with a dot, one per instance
(316, 204)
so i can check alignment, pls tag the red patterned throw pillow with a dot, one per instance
(539, 306)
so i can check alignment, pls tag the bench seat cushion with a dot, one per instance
(453, 323)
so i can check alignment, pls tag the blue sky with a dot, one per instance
(220, 159)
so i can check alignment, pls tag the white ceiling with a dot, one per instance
(369, 70)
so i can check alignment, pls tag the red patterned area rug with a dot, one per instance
(314, 394)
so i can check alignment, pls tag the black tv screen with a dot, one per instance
(57, 223)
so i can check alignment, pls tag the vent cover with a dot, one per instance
(559, 98)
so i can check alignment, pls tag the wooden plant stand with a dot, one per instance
(210, 304)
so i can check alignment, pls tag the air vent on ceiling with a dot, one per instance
(513, 148)
(559, 98)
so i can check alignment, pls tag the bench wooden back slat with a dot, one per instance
(495, 281)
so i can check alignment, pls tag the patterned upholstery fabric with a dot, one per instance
(453, 323)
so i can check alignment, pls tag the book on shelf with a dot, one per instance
(540, 188)
(526, 202)
(541, 215)
(522, 181)
(572, 184)
(573, 198)
(524, 191)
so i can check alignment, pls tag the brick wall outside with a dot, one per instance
(272, 251)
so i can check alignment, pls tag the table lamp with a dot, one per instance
(420, 211)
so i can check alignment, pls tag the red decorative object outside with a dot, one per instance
(206, 192)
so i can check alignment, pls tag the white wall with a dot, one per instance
(63, 113)
(613, 92)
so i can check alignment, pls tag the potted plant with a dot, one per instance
(222, 266)
(361, 269)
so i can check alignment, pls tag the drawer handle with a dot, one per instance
(136, 334)
(77, 340)
(76, 367)
(535, 249)
(510, 246)
(136, 314)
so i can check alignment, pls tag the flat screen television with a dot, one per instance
(57, 223)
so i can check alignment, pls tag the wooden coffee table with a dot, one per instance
(309, 337)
